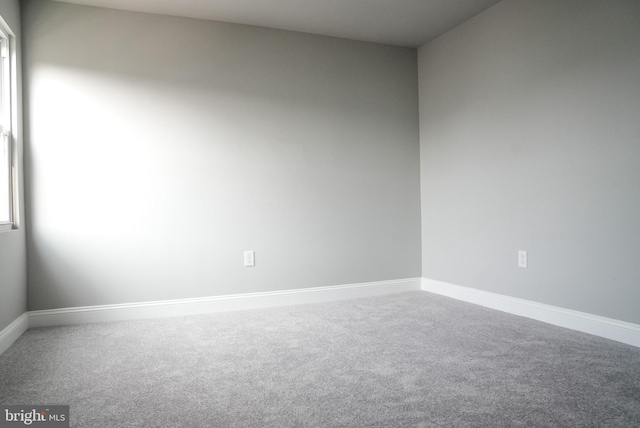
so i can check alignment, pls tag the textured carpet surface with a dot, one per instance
(412, 359)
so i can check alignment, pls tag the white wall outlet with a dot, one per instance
(522, 259)
(249, 258)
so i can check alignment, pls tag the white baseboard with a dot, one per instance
(620, 331)
(168, 308)
(13, 331)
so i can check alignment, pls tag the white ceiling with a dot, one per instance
(395, 22)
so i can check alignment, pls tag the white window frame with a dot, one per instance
(7, 122)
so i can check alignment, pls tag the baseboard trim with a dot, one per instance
(180, 307)
(13, 331)
(608, 328)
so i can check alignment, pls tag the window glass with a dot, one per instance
(6, 156)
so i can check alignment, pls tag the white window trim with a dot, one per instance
(5, 138)
(11, 121)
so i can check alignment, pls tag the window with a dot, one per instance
(8, 204)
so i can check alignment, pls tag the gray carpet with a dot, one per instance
(412, 359)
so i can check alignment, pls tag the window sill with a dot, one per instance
(7, 227)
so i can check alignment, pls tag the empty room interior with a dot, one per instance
(325, 213)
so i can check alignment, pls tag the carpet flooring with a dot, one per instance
(406, 360)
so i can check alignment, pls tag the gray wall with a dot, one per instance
(161, 148)
(13, 265)
(530, 140)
